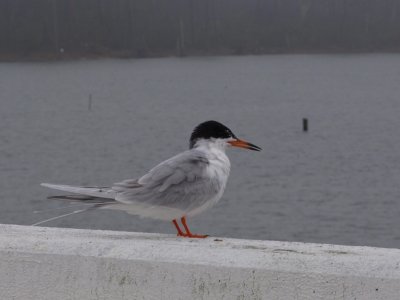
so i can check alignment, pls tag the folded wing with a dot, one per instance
(178, 183)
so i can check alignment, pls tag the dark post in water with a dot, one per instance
(305, 125)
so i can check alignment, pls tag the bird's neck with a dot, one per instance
(215, 151)
(213, 145)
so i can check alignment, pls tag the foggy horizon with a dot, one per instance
(55, 29)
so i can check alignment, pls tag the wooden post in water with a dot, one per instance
(305, 124)
(90, 102)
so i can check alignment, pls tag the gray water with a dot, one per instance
(338, 183)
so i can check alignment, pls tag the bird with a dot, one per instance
(182, 186)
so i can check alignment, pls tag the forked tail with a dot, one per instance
(95, 197)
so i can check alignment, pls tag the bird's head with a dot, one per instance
(213, 131)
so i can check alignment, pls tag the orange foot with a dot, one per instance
(187, 234)
(195, 236)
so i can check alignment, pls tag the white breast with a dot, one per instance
(217, 174)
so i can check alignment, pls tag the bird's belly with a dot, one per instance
(204, 205)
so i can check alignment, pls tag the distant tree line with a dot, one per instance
(140, 28)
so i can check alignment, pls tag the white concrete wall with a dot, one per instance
(54, 263)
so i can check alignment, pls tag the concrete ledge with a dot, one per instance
(54, 263)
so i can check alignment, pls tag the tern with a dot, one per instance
(180, 187)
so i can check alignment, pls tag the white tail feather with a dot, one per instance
(89, 191)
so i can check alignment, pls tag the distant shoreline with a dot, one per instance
(73, 56)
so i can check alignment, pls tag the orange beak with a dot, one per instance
(244, 144)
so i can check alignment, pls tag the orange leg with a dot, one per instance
(180, 233)
(188, 233)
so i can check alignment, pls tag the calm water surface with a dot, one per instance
(338, 183)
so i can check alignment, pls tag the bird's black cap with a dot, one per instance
(210, 129)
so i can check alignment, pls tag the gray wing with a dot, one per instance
(178, 182)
